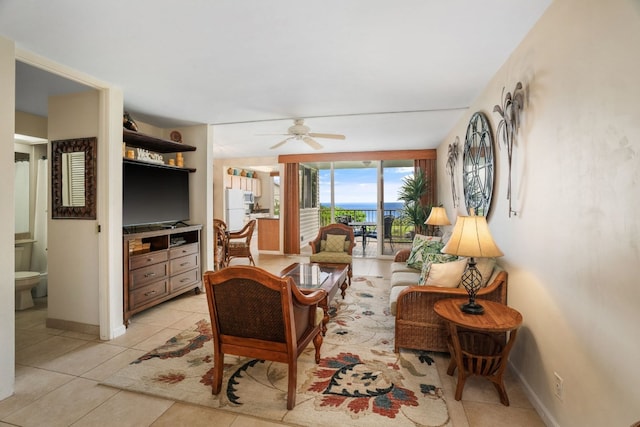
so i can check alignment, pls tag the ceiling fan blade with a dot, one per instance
(327, 135)
(312, 143)
(281, 142)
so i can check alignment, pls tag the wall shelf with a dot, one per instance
(159, 165)
(159, 145)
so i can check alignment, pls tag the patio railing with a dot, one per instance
(400, 229)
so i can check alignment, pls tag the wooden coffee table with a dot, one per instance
(311, 277)
(474, 349)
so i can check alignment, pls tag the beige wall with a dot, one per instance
(7, 218)
(572, 250)
(73, 292)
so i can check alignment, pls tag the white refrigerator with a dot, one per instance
(234, 209)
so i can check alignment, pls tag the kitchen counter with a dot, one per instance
(269, 233)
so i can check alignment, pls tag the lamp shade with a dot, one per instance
(471, 237)
(438, 216)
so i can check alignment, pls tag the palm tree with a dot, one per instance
(411, 192)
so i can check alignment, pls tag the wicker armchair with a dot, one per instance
(320, 256)
(418, 326)
(257, 314)
(239, 245)
(220, 244)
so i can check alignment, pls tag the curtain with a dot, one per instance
(290, 209)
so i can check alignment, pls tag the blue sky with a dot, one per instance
(359, 185)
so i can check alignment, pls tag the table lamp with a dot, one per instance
(471, 238)
(437, 217)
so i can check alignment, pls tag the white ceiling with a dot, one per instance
(387, 74)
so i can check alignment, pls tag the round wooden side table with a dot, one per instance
(473, 345)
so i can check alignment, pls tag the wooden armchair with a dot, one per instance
(257, 314)
(241, 248)
(220, 244)
(321, 256)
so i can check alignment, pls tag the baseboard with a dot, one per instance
(68, 325)
(540, 408)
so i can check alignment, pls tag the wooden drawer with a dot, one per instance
(142, 276)
(183, 250)
(149, 258)
(178, 265)
(148, 293)
(185, 279)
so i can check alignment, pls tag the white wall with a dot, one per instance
(572, 250)
(7, 279)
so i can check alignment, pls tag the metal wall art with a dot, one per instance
(478, 170)
(452, 159)
(507, 131)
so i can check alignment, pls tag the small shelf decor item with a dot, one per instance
(175, 136)
(471, 238)
(129, 123)
(507, 131)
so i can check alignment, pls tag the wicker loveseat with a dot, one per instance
(417, 325)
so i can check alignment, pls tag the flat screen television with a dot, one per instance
(154, 194)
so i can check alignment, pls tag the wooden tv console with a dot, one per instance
(159, 264)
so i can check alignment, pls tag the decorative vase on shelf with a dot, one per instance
(243, 173)
(230, 171)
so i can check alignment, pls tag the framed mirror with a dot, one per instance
(73, 178)
(478, 170)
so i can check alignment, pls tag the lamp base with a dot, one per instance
(472, 308)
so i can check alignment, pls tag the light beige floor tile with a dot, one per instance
(244, 421)
(126, 409)
(26, 338)
(30, 385)
(190, 321)
(63, 406)
(49, 349)
(183, 415)
(160, 316)
(113, 365)
(80, 336)
(82, 359)
(485, 414)
(136, 333)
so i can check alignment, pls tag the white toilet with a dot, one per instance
(25, 280)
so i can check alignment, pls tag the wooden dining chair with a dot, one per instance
(239, 245)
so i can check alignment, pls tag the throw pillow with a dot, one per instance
(335, 242)
(446, 275)
(422, 245)
(485, 266)
(430, 259)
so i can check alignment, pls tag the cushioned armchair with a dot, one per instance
(334, 246)
(259, 315)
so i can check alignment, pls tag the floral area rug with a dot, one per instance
(359, 381)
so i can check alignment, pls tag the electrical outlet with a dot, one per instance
(558, 386)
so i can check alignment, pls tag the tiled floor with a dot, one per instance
(58, 373)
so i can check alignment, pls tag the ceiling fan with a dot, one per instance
(301, 132)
